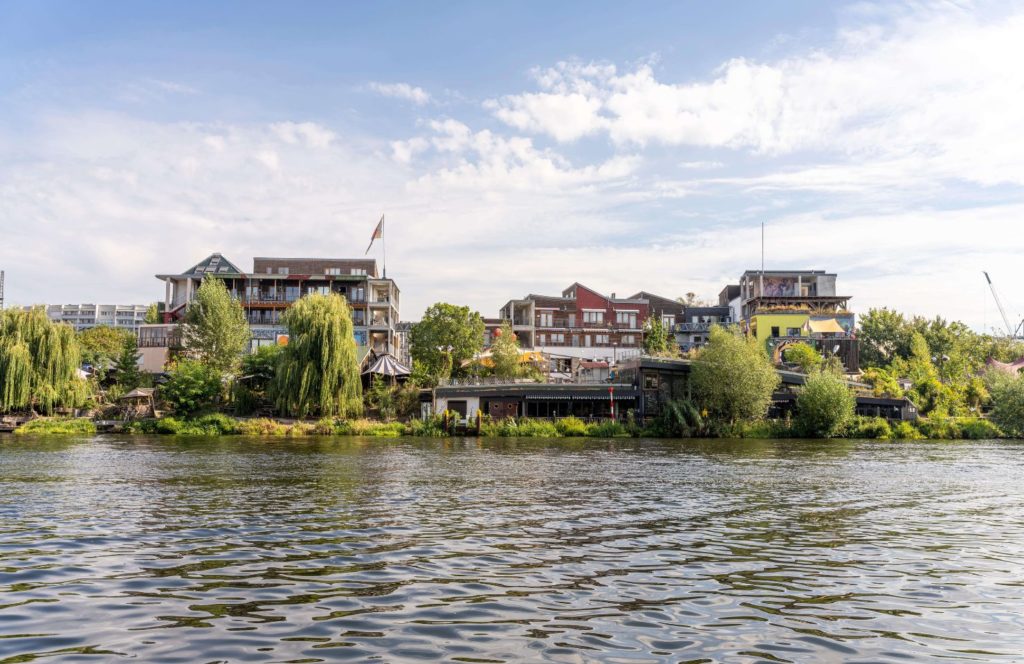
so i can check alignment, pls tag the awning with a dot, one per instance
(386, 365)
(618, 395)
(826, 326)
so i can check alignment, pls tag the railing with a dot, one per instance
(496, 380)
(699, 327)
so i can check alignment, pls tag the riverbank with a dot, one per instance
(218, 424)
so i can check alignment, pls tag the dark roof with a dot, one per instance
(729, 293)
(214, 264)
(707, 311)
(658, 301)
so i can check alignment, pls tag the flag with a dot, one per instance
(378, 233)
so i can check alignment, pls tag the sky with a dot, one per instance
(517, 148)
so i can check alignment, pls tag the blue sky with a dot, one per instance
(517, 148)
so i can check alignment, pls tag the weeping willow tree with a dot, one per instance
(39, 363)
(317, 372)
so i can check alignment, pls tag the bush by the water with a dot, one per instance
(869, 427)
(57, 426)
(977, 428)
(571, 426)
(825, 405)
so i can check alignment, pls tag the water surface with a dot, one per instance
(235, 550)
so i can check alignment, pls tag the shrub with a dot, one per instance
(363, 427)
(977, 428)
(537, 428)
(261, 426)
(609, 429)
(679, 419)
(869, 427)
(1008, 406)
(571, 426)
(906, 431)
(324, 427)
(825, 405)
(301, 429)
(765, 429)
(939, 428)
(59, 426)
(192, 387)
(432, 427)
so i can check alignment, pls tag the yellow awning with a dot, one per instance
(827, 325)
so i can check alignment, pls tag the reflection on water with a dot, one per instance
(626, 551)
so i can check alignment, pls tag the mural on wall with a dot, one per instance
(780, 287)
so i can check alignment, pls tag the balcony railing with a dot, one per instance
(700, 327)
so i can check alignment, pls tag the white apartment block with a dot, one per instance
(84, 316)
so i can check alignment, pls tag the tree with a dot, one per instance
(443, 326)
(692, 300)
(657, 340)
(1008, 405)
(126, 366)
(214, 330)
(804, 356)
(102, 345)
(884, 336)
(505, 352)
(318, 371)
(191, 387)
(153, 314)
(732, 378)
(39, 363)
(825, 405)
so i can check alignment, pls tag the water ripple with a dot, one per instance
(240, 550)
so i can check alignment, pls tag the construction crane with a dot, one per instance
(1014, 332)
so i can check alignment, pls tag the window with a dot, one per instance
(557, 339)
(332, 271)
(358, 270)
(650, 381)
(593, 316)
(628, 339)
(601, 339)
(627, 318)
(546, 319)
(282, 270)
(775, 330)
(792, 331)
(667, 321)
(540, 339)
(358, 295)
(291, 293)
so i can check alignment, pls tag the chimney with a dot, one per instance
(613, 296)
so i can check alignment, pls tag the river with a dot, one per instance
(235, 550)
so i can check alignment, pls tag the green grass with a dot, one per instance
(57, 426)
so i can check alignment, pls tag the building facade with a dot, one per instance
(580, 323)
(274, 284)
(84, 316)
(780, 308)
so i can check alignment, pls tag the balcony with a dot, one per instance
(700, 327)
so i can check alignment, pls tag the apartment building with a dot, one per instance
(689, 325)
(783, 307)
(84, 316)
(580, 323)
(275, 283)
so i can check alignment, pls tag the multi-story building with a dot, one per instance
(580, 323)
(275, 283)
(84, 316)
(689, 324)
(783, 307)
(403, 330)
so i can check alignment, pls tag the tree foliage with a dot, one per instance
(153, 314)
(445, 325)
(732, 377)
(126, 366)
(39, 362)
(191, 387)
(318, 371)
(505, 352)
(102, 345)
(214, 330)
(658, 341)
(804, 355)
(825, 405)
(1008, 404)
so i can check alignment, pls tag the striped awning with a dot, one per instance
(387, 365)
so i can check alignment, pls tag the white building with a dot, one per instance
(84, 316)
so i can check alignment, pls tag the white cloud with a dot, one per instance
(943, 86)
(309, 133)
(416, 95)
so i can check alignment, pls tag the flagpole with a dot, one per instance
(384, 245)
